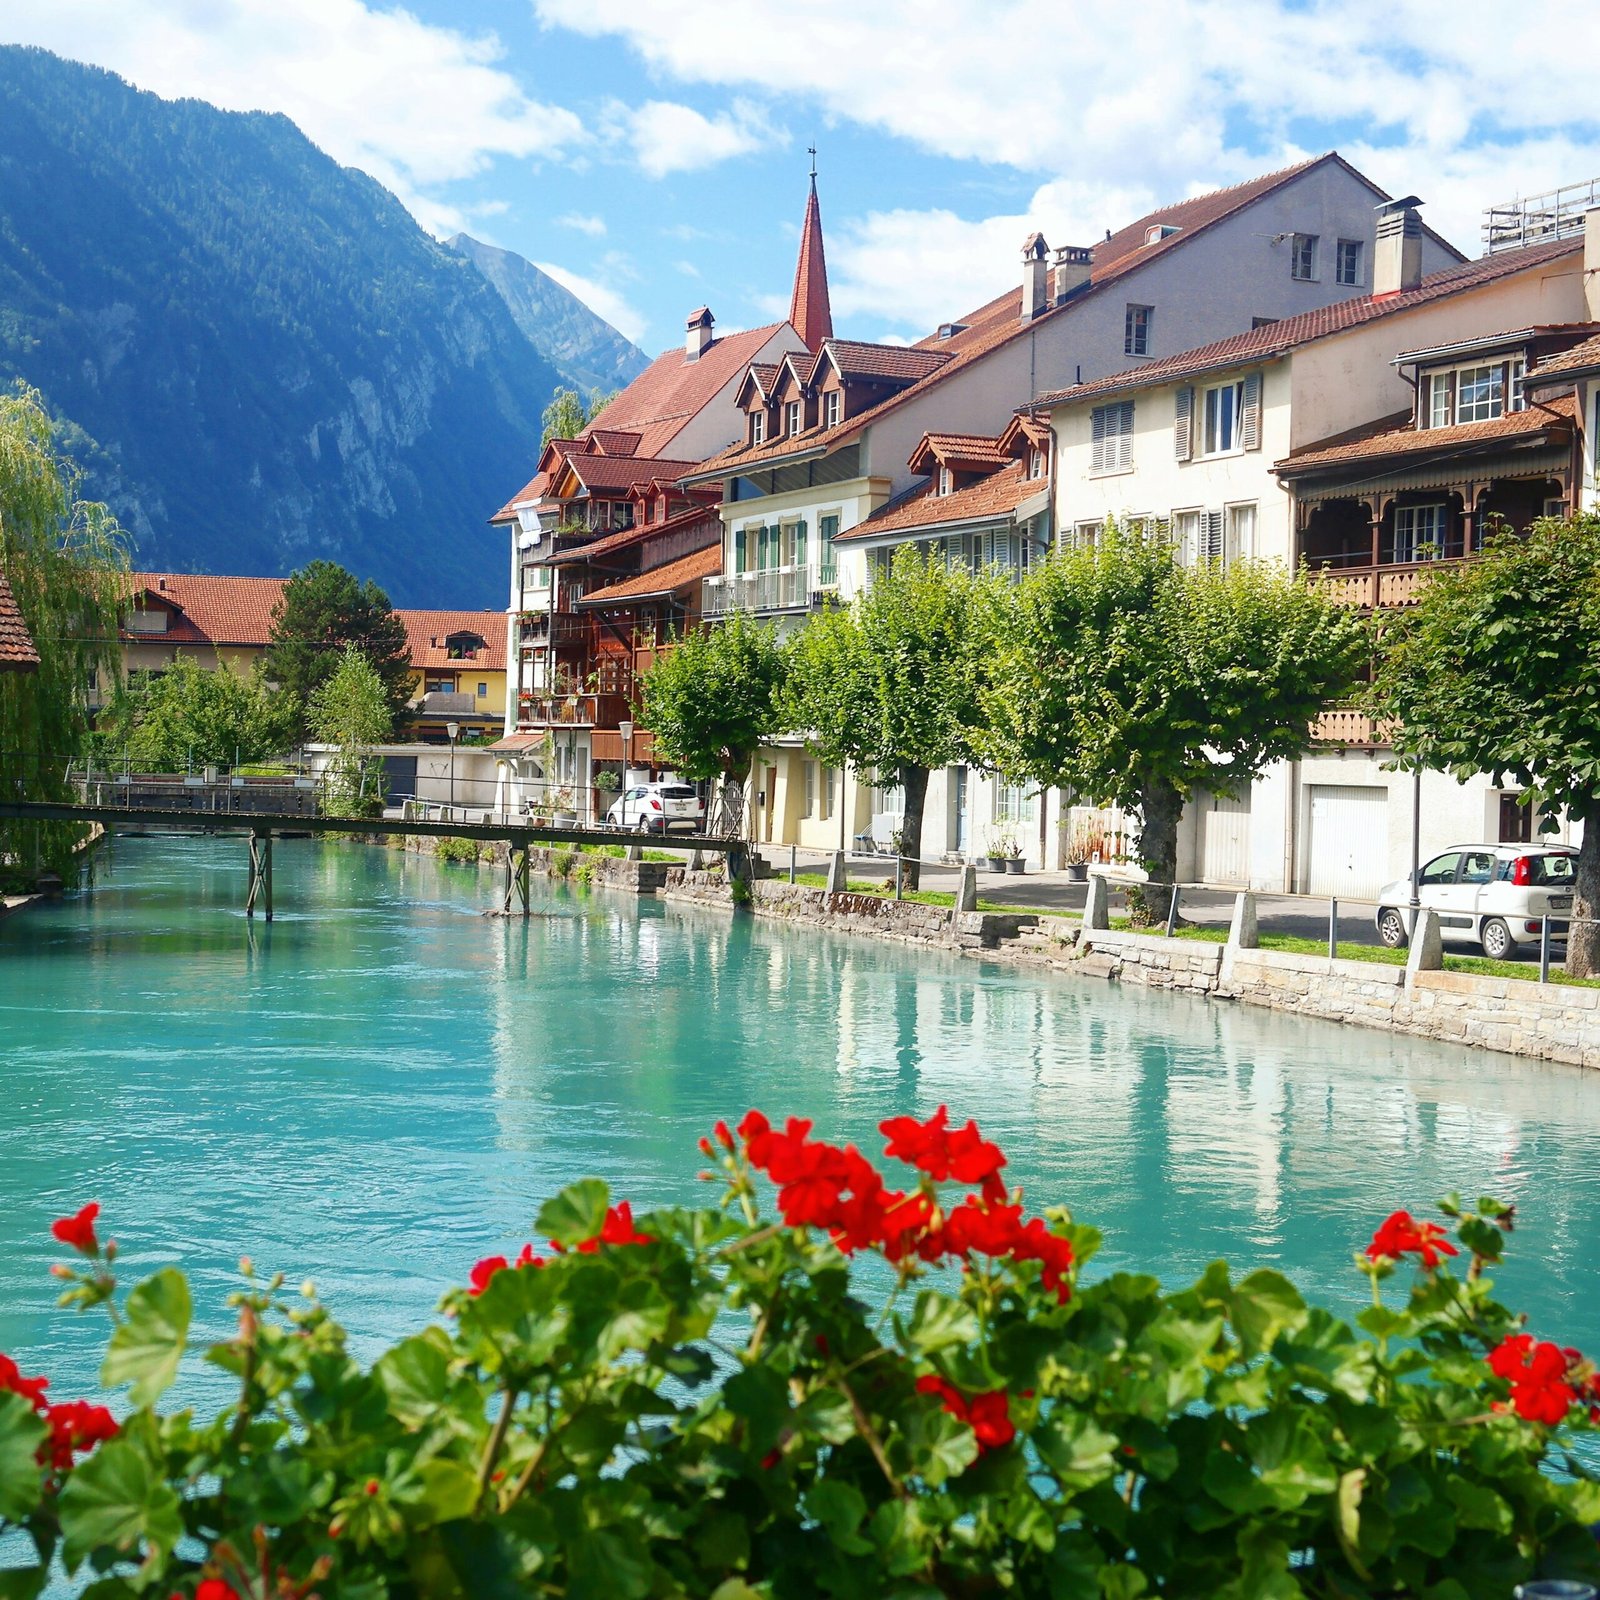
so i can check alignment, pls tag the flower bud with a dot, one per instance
(59, 1271)
(247, 1266)
(372, 1487)
(308, 1290)
(707, 1149)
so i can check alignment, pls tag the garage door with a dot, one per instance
(1225, 840)
(1347, 841)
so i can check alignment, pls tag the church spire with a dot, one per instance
(809, 311)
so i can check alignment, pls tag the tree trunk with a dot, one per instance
(1583, 937)
(914, 784)
(1160, 806)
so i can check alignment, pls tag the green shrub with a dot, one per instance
(562, 862)
(718, 1402)
(456, 850)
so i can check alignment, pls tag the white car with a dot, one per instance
(659, 808)
(1493, 895)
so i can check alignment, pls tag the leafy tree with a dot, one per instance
(65, 562)
(891, 681)
(325, 608)
(1137, 682)
(569, 413)
(189, 716)
(1497, 670)
(351, 710)
(712, 698)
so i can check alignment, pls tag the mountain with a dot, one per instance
(270, 359)
(583, 347)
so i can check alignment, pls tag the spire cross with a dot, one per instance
(811, 150)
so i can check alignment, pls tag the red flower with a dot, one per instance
(78, 1231)
(988, 1230)
(526, 1258)
(618, 1228)
(1538, 1375)
(722, 1135)
(76, 1426)
(12, 1382)
(483, 1272)
(935, 1148)
(973, 1159)
(988, 1414)
(213, 1589)
(1400, 1236)
(1035, 1242)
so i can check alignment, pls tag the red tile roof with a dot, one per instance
(426, 632)
(638, 534)
(810, 314)
(614, 441)
(17, 652)
(680, 574)
(987, 500)
(1580, 359)
(976, 452)
(1277, 338)
(1399, 436)
(622, 472)
(215, 611)
(529, 494)
(895, 363)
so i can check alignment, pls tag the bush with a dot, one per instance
(456, 850)
(706, 1402)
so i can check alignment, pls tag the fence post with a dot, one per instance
(1333, 928)
(792, 850)
(1172, 912)
(1544, 948)
(899, 869)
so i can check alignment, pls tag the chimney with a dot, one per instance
(1035, 276)
(1591, 263)
(1072, 271)
(1397, 261)
(699, 334)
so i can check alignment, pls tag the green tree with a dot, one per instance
(187, 716)
(325, 608)
(65, 561)
(1136, 682)
(568, 413)
(891, 681)
(351, 711)
(1497, 670)
(712, 698)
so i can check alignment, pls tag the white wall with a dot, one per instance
(719, 422)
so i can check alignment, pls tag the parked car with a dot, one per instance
(659, 808)
(1493, 895)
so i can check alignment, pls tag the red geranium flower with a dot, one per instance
(12, 1382)
(78, 1230)
(1400, 1235)
(989, 1230)
(988, 1414)
(1035, 1242)
(943, 1152)
(1537, 1373)
(483, 1271)
(76, 1426)
(618, 1228)
(213, 1589)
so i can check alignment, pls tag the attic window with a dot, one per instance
(758, 427)
(792, 418)
(948, 330)
(1157, 231)
(1036, 463)
(947, 480)
(832, 406)
(152, 620)
(463, 646)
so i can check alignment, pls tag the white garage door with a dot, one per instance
(1347, 841)
(1225, 840)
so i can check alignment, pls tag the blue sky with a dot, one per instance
(652, 154)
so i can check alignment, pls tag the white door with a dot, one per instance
(1225, 839)
(1347, 840)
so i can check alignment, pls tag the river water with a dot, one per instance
(383, 1085)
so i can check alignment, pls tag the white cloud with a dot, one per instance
(591, 225)
(602, 299)
(1114, 106)
(415, 105)
(667, 137)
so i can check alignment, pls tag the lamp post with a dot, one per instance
(1416, 845)
(625, 729)
(452, 728)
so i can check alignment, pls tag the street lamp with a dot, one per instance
(625, 728)
(452, 728)
(1416, 845)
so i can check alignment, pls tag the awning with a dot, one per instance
(513, 743)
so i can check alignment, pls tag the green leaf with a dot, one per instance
(841, 1508)
(577, 1214)
(1077, 1451)
(942, 1446)
(1264, 1305)
(22, 1431)
(116, 1499)
(938, 1322)
(760, 1396)
(415, 1376)
(1118, 1581)
(440, 1491)
(1478, 1506)
(607, 1564)
(149, 1342)
(23, 1583)
(737, 1589)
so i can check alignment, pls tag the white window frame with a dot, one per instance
(1083, 535)
(758, 427)
(1035, 463)
(1350, 252)
(826, 795)
(1442, 392)
(1210, 409)
(832, 408)
(809, 769)
(1241, 524)
(1491, 403)
(827, 552)
(946, 482)
(1112, 450)
(1304, 248)
(793, 417)
(1013, 802)
(1137, 321)
(1409, 518)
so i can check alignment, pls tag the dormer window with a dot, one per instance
(947, 480)
(1157, 231)
(758, 427)
(948, 330)
(832, 408)
(463, 646)
(147, 620)
(792, 418)
(1480, 392)
(1036, 463)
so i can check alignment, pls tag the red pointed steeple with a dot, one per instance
(809, 311)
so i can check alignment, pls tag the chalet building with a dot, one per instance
(831, 436)
(458, 661)
(17, 651)
(1368, 440)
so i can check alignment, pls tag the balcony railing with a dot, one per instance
(543, 709)
(776, 589)
(1394, 586)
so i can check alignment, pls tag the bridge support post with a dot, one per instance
(516, 876)
(260, 873)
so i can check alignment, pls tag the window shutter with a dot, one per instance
(1097, 446)
(1250, 424)
(738, 550)
(1124, 419)
(1183, 423)
(1211, 535)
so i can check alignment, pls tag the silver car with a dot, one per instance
(659, 808)
(1493, 895)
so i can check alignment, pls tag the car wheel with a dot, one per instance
(1392, 928)
(644, 824)
(1495, 937)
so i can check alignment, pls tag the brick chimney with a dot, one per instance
(1397, 260)
(1035, 276)
(1072, 271)
(699, 334)
(1591, 263)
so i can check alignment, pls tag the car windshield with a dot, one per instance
(677, 791)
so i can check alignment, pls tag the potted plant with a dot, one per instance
(1014, 862)
(999, 847)
(565, 808)
(1086, 842)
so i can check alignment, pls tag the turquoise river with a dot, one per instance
(383, 1085)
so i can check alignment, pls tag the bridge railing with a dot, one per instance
(230, 796)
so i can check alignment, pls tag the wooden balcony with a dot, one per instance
(1343, 726)
(1391, 587)
(542, 710)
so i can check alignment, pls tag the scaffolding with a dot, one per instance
(1540, 217)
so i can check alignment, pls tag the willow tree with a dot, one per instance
(1138, 683)
(891, 681)
(65, 561)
